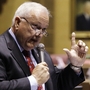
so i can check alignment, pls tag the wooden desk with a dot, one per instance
(86, 84)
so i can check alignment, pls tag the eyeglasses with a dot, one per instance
(36, 27)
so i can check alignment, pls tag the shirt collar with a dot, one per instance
(12, 34)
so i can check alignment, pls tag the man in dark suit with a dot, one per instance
(82, 24)
(83, 20)
(28, 27)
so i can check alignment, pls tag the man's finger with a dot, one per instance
(86, 49)
(73, 42)
(67, 51)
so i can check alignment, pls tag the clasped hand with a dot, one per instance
(78, 51)
(41, 73)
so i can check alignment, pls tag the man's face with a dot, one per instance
(29, 31)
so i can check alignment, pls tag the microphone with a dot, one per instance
(41, 48)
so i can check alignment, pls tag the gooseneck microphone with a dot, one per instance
(41, 49)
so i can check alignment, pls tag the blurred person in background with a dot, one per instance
(83, 20)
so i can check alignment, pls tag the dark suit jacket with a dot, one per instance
(82, 24)
(14, 70)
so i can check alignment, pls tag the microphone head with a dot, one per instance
(41, 46)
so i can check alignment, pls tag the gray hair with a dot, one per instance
(25, 9)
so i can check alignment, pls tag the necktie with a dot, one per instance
(29, 61)
(30, 64)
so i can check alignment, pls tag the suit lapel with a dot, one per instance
(36, 55)
(15, 52)
(21, 61)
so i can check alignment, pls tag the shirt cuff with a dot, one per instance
(33, 82)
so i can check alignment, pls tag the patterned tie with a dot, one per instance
(30, 64)
(29, 61)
